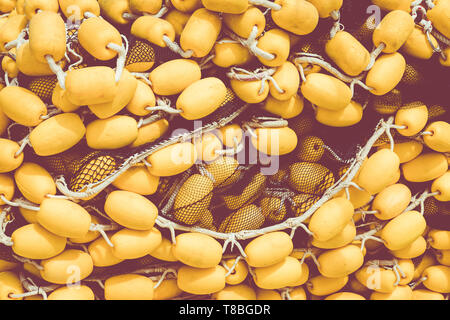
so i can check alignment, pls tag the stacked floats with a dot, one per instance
(234, 34)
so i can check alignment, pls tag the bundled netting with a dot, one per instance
(218, 152)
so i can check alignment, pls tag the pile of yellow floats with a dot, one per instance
(240, 48)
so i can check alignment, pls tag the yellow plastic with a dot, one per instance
(31, 110)
(172, 160)
(59, 99)
(282, 274)
(277, 43)
(75, 9)
(150, 132)
(129, 287)
(102, 254)
(286, 109)
(227, 54)
(134, 244)
(201, 281)
(8, 160)
(137, 179)
(426, 167)
(439, 16)
(393, 30)
(392, 201)
(69, 267)
(95, 34)
(288, 79)
(34, 182)
(401, 231)
(226, 6)
(91, 85)
(203, 24)
(201, 98)
(331, 219)
(345, 296)
(10, 284)
(413, 250)
(424, 294)
(346, 117)
(297, 16)
(125, 89)
(418, 45)
(414, 119)
(10, 29)
(153, 30)
(164, 251)
(57, 134)
(7, 265)
(378, 171)
(386, 73)
(112, 133)
(173, 76)
(6, 187)
(187, 5)
(47, 32)
(197, 250)
(343, 238)
(331, 265)
(237, 292)
(34, 242)
(390, 5)
(348, 53)
(406, 151)
(167, 290)
(249, 91)
(74, 223)
(439, 239)
(143, 6)
(242, 24)
(177, 19)
(275, 141)
(326, 91)
(90, 236)
(399, 293)
(114, 10)
(131, 210)
(438, 278)
(439, 139)
(72, 293)
(323, 286)
(143, 98)
(239, 274)
(268, 249)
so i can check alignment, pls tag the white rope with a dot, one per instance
(309, 253)
(56, 69)
(23, 143)
(430, 3)
(233, 267)
(19, 203)
(232, 239)
(143, 76)
(101, 229)
(164, 104)
(80, 58)
(374, 55)
(163, 276)
(337, 26)
(122, 51)
(238, 147)
(259, 74)
(317, 60)
(285, 294)
(369, 235)
(151, 119)
(88, 15)
(251, 43)
(32, 289)
(413, 285)
(4, 239)
(266, 3)
(177, 49)
(360, 83)
(26, 260)
(420, 201)
(302, 71)
(51, 113)
(19, 41)
(130, 16)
